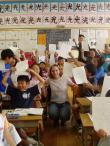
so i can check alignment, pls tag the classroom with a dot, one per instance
(54, 72)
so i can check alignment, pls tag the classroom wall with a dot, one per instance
(29, 39)
(59, 17)
(27, 35)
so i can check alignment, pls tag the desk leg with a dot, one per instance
(84, 136)
(38, 136)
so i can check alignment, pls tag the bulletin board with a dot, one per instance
(25, 39)
(55, 35)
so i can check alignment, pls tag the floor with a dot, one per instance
(60, 136)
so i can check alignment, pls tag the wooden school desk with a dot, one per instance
(84, 104)
(29, 121)
(87, 128)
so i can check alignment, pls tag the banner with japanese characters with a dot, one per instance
(54, 13)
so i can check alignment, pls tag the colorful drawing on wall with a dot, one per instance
(41, 39)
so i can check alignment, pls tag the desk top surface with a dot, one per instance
(84, 101)
(86, 121)
(24, 118)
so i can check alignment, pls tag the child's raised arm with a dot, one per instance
(37, 76)
(5, 78)
(7, 134)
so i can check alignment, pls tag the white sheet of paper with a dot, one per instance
(2, 45)
(91, 33)
(15, 134)
(35, 111)
(68, 69)
(26, 111)
(41, 50)
(21, 67)
(90, 98)
(105, 87)
(101, 34)
(2, 35)
(75, 53)
(8, 44)
(52, 59)
(41, 59)
(85, 46)
(34, 35)
(14, 49)
(101, 113)
(79, 75)
(100, 43)
(64, 50)
(52, 48)
(75, 34)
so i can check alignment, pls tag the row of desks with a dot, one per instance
(87, 124)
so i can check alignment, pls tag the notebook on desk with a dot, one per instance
(25, 111)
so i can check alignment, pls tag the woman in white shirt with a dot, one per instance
(59, 108)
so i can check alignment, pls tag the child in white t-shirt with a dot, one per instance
(8, 133)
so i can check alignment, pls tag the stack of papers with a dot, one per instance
(27, 111)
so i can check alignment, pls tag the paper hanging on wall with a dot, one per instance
(2, 45)
(41, 39)
(2, 35)
(79, 75)
(101, 34)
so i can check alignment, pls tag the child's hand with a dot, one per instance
(88, 85)
(74, 40)
(70, 54)
(101, 133)
(38, 97)
(30, 70)
(13, 69)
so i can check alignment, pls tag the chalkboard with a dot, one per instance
(54, 36)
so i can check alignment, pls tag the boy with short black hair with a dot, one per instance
(9, 57)
(22, 96)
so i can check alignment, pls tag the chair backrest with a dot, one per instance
(70, 95)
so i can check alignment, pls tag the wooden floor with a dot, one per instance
(60, 136)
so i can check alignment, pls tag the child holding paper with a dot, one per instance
(6, 132)
(22, 96)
